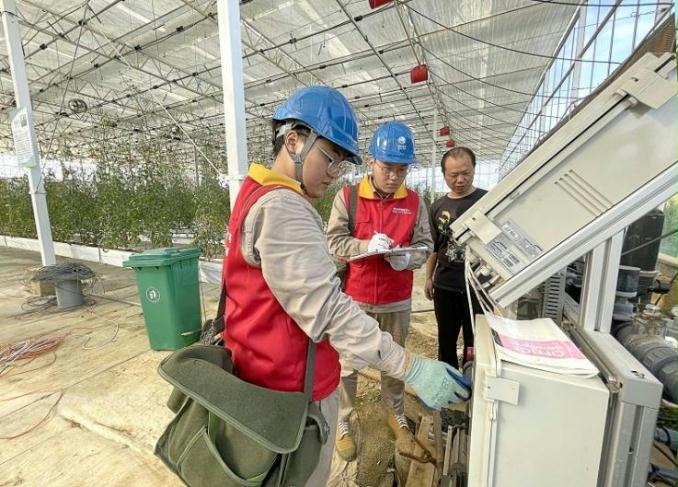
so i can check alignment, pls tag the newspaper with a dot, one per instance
(384, 253)
(538, 344)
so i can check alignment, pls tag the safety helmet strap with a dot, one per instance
(298, 158)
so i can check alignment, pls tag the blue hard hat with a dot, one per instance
(393, 143)
(328, 113)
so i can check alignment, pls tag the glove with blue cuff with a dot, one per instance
(436, 383)
(379, 241)
(399, 262)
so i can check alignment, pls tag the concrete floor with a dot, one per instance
(89, 413)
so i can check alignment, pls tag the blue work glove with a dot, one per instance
(436, 383)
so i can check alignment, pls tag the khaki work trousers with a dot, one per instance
(329, 407)
(396, 323)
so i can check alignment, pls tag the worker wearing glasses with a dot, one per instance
(386, 215)
(281, 283)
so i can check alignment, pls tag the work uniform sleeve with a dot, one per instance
(283, 235)
(339, 239)
(421, 237)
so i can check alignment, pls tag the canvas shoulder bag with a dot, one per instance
(228, 432)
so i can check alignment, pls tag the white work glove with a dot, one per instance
(379, 241)
(399, 262)
(436, 383)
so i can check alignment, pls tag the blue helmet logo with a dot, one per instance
(393, 143)
(328, 113)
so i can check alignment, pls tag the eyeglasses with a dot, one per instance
(336, 168)
(399, 170)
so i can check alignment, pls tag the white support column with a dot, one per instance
(433, 156)
(600, 284)
(234, 93)
(10, 24)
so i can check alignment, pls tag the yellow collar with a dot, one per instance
(267, 177)
(366, 190)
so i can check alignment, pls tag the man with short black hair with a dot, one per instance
(445, 283)
(386, 214)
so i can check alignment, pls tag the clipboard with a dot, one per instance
(388, 252)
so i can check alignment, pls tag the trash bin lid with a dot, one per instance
(161, 257)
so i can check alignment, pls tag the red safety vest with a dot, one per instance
(372, 280)
(268, 348)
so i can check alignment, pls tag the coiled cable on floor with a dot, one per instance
(25, 349)
(63, 272)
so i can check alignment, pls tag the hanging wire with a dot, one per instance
(661, 237)
(573, 4)
(69, 76)
(506, 48)
(155, 98)
(480, 80)
(504, 107)
(517, 125)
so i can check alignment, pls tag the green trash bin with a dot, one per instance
(169, 291)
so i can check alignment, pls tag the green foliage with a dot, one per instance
(72, 209)
(324, 204)
(118, 216)
(133, 193)
(16, 212)
(668, 245)
(212, 211)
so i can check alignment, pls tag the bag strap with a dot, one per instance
(310, 353)
(310, 366)
(221, 309)
(352, 204)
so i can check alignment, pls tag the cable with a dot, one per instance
(658, 447)
(155, 98)
(63, 272)
(518, 51)
(43, 420)
(25, 371)
(505, 122)
(467, 270)
(503, 107)
(29, 348)
(481, 80)
(69, 77)
(570, 4)
(88, 337)
(667, 234)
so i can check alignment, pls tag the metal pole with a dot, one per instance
(195, 165)
(234, 93)
(433, 156)
(10, 24)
